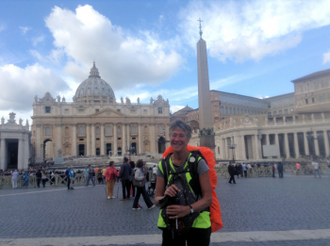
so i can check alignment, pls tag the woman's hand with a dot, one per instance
(172, 191)
(177, 211)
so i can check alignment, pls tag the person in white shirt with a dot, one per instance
(316, 166)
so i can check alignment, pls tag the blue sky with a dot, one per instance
(146, 48)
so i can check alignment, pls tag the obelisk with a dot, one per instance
(206, 132)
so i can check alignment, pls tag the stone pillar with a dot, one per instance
(88, 140)
(167, 134)
(152, 138)
(38, 144)
(223, 144)
(123, 135)
(243, 151)
(257, 146)
(286, 147)
(74, 140)
(140, 125)
(267, 139)
(58, 138)
(277, 143)
(128, 135)
(115, 139)
(237, 151)
(296, 144)
(306, 143)
(102, 140)
(326, 143)
(316, 143)
(26, 157)
(93, 152)
(20, 159)
(3, 165)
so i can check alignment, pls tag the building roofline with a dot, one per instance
(312, 76)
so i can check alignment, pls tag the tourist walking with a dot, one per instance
(70, 177)
(14, 177)
(244, 169)
(38, 175)
(280, 169)
(132, 187)
(43, 178)
(25, 178)
(110, 175)
(232, 172)
(139, 176)
(316, 166)
(124, 175)
(90, 171)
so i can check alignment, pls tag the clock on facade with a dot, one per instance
(47, 109)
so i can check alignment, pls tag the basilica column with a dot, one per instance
(326, 143)
(123, 137)
(237, 151)
(140, 125)
(102, 139)
(128, 135)
(306, 143)
(115, 139)
(152, 138)
(316, 143)
(93, 140)
(296, 144)
(257, 148)
(243, 151)
(3, 154)
(58, 138)
(277, 143)
(167, 135)
(20, 157)
(88, 141)
(38, 145)
(74, 140)
(286, 143)
(267, 139)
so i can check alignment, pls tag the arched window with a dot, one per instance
(269, 113)
(226, 110)
(280, 112)
(118, 130)
(81, 130)
(133, 129)
(275, 112)
(47, 131)
(230, 111)
(222, 109)
(286, 111)
(97, 130)
(108, 129)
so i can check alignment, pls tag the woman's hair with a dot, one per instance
(179, 124)
(111, 163)
(132, 164)
(139, 163)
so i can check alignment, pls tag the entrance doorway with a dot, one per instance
(108, 148)
(133, 148)
(81, 149)
(48, 150)
(161, 145)
(12, 148)
(119, 151)
(97, 151)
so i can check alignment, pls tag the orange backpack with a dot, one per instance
(208, 156)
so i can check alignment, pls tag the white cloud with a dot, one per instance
(241, 30)
(123, 59)
(24, 29)
(175, 108)
(37, 40)
(19, 86)
(326, 57)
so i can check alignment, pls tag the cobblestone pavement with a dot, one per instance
(251, 205)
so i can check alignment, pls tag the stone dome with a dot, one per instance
(94, 89)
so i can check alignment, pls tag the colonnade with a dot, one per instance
(291, 143)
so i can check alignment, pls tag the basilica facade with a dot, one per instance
(94, 124)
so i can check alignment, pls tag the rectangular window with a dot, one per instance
(145, 111)
(313, 101)
(306, 100)
(160, 110)
(133, 129)
(118, 110)
(97, 110)
(160, 129)
(66, 111)
(108, 129)
(81, 110)
(47, 109)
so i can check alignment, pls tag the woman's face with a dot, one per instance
(179, 140)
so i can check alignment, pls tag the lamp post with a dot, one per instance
(232, 147)
(310, 137)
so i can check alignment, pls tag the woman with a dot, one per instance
(200, 231)
(110, 177)
(139, 175)
(43, 178)
(25, 178)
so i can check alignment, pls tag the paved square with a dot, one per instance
(257, 211)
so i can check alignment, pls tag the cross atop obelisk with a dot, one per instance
(200, 27)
